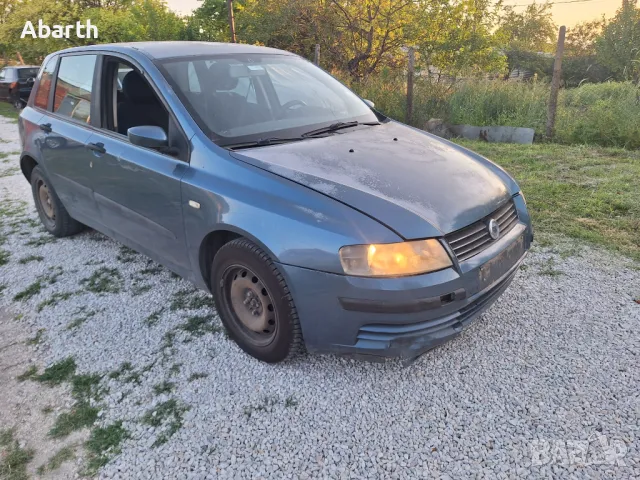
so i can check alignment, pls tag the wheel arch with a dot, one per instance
(216, 239)
(27, 164)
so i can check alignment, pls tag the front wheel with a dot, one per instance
(17, 103)
(254, 302)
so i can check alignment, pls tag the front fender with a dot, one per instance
(292, 223)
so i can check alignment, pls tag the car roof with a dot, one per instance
(165, 50)
(22, 66)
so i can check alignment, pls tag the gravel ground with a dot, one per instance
(553, 367)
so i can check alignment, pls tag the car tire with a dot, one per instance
(53, 215)
(254, 302)
(17, 103)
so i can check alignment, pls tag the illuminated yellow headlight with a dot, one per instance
(394, 259)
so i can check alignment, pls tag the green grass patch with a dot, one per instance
(169, 414)
(30, 258)
(59, 372)
(7, 110)
(41, 240)
(65, 454)
(28, 374)
(82, 316)
(4, 257)
(163, 387)
(586, 193)
(102, 445)
(152, 319)
(54, 299)
(31, 291)
(199, 325)
(197, 376)
(14, 460)
(189, 299)
(82, 415)
(6, 437)
(104, 280)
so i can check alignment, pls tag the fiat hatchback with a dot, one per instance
(314, 220)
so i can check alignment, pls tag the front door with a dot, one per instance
(137, 190)
(64, 147)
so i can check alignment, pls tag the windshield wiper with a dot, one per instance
(263, 142)
(336, 126)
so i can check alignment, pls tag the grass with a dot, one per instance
(83, 316)
(548, 268)
(82, 415)
(65, 454)
(126, 255)
(197, 376)
(7, 110)
(54, 299)
(169, 413)
(41, 240)
(585, 193)
(28, 374)
(189, 299)
(199, 325)
(30, 258)
(103, 443)
(58, 373)
(37, 338)
(152, 319)
(14, 460)
(31, 291)
(4, 257)
(163, 387)
(103, 280)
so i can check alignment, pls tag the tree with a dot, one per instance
(618, 48)
(532, 30)
(581, 39)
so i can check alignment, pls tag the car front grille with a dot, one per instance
(475, 238)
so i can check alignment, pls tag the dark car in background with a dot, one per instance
(312, 218)
(16, 84)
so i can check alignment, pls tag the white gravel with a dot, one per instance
(556, 360)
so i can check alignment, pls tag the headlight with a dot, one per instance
(394, 259)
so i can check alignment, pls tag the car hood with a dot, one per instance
(414, 183)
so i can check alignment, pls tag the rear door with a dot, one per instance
(137, 190)
(6, 75)
(65, 150)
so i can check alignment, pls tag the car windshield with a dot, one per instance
(24, 73)
(240, 98)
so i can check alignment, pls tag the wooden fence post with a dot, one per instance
(410, 72)
(555, 85)
(232, 22)
(316, 56)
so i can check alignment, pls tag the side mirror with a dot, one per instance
(148, 136)
(369, 103)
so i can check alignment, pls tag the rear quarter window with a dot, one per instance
(41, 99)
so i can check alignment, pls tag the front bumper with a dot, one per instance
(398, 317)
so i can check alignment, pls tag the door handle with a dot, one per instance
(97, 147)
(45, 127)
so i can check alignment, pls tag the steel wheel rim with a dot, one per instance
(44, 196)
(251, 304)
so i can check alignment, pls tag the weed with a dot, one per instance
(63, 455)
(267, 404)
(139, 289)
(37, 338)
(199, 325)
(126, 255)
(175, 369)
(151, 270)
(548, 268)
(170, 413)
(85, 387)
(103, 280)
(83, 317)
(290, 402)
(122, 370)
(189, 299)
(82, 415)
(167, 340)
(54, 299)
(3, 287)
(163, 387)
(13, 462)
(30, 258)
(41, 240)
(31, 291)
(6, 437)
(196, 376)
(4, 257)
(47, 410)
(103, 443)
(57, 373)
(28, 374)
(153, 318)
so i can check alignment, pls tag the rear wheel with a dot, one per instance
(254, 302)
(53, 215)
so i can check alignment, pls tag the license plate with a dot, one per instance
(495, 268)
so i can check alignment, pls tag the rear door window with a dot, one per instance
(25, 73)
(73, 87)
(41, 99)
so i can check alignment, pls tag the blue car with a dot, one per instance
(315, 221)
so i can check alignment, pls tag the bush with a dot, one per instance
(606, 114)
